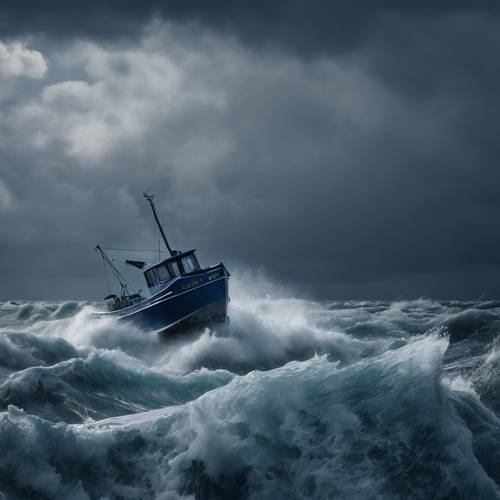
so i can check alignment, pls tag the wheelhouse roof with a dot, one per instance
(172, 259)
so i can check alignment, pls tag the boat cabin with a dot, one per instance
(178, 265)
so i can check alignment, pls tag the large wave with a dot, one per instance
(381, 428)
(297, 399)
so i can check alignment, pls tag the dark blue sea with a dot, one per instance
(297, 400)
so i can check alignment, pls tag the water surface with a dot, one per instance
(299, 399)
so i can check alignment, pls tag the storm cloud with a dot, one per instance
(307, 27)
(351, 151)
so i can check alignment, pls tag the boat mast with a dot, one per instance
(150, 197)
(117, 273)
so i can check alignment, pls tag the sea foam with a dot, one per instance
(296, 399)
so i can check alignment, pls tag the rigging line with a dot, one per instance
(121, 278)
(131, 250)
(124, 283)
(125, 263)
(106, 275)
(118, 275)
(158, 240)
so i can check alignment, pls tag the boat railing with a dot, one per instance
(116, 303)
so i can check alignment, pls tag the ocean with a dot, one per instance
(298, 399)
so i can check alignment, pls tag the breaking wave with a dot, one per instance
(297, 399)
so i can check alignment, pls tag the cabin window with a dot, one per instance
(174, 269)
(189, 264)
(150, 278)
(162, 273)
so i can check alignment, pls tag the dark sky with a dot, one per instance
(350, 149)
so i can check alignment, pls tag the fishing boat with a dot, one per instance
(182, 294)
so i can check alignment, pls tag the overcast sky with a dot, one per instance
(351, 150)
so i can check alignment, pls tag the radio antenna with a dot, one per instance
(150, 198)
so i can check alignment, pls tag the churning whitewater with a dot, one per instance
(297, 399)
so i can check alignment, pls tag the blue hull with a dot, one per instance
(189, 301)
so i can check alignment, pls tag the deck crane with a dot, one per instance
(126, 298)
